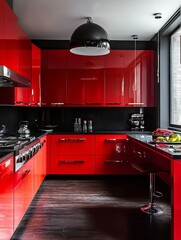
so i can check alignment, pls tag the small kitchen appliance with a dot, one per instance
(23, 130)
(136, 122)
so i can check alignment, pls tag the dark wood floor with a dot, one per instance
(95, 209)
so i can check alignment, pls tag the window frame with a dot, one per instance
(172, 126)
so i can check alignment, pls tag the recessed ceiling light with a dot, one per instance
(157, 15)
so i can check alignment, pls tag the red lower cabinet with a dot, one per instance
(72, 154)
(6, 198)
(111, 155)
(73, 165)
(40, 165)
(23, 191)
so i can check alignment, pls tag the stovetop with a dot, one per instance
(11, 143)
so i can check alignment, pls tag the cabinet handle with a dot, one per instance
(71, 161)
(93, 103)
(57, 104)
(113, 103)
(72, 139)
(35, 104)
(135, 103)
(113, 139)
(25, 173)
(116, 161)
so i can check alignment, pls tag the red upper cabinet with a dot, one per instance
(139, 78)
(8, 36)
(85, 80)
(22, 95)
(114, 78)
(54, 65)
(35, 76)
(1, 30)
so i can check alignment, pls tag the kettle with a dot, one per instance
(23, 130)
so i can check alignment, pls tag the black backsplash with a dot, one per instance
(105, 119)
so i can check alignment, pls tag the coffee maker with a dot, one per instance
(136, 122)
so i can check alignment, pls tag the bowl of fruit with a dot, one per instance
(165, 136)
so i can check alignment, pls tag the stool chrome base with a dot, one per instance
(152, 209)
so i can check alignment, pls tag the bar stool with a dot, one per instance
(152, 169)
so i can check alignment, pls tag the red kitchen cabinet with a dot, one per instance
(85, 80)
(111, 155)
(71, 164)
(23, 190)
(6, 198)
(140, 153)
(114, 78)
(129, 78)
(35, 77)
(72, 144)
(72, 154)
(9, 41)
(139, 78)
(22, 95)
(40, 165)
(54, 76)
(2, 37)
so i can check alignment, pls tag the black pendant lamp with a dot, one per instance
(89, 39)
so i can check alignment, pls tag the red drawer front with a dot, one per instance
(72, 145)
(110, 137)
(71, 165)
(105, 165)
(73, 137)
(111, 145)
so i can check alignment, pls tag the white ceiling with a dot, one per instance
(57, 19)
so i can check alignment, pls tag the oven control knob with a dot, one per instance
(31, 153)
(19, 158)
(23, 157)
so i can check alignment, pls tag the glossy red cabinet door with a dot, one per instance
(111, 155)
(72, 154)
(10, 43)
(35, 77)
(22, 95)
(54, 77)
(71, 164)
(23, 191)
(72, 144)
(40, 165)
(2, 37)
(129, 78)
(6, 198)
(85, 76)
(114, 78)
(139, 78)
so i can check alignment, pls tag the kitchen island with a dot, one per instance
(173, 158)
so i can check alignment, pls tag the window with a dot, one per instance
(175, 79)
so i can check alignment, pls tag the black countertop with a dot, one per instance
(172, 150)
(143, 137)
